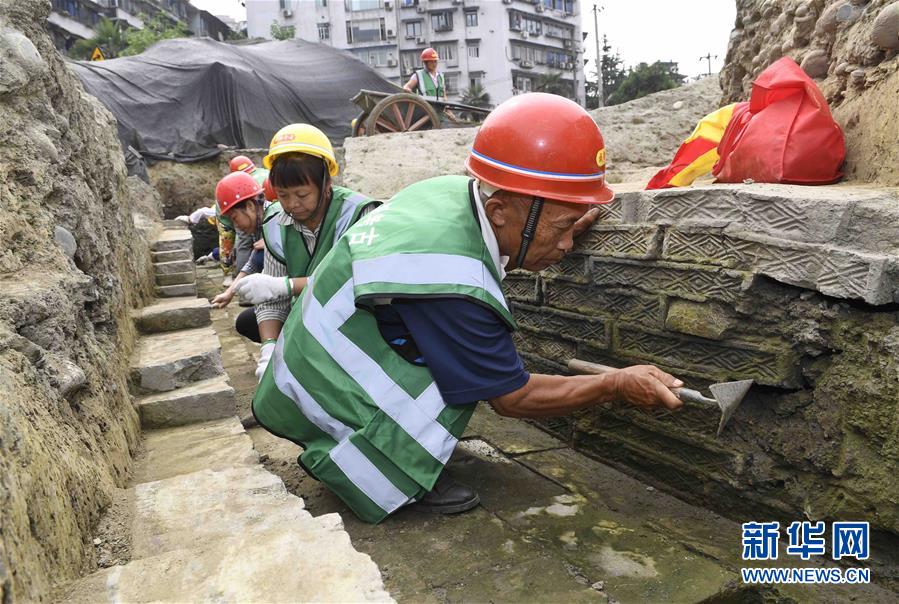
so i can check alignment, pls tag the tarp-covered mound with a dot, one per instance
(183, 98)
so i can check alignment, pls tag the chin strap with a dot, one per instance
(530, 229)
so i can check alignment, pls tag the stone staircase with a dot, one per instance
(209, 522)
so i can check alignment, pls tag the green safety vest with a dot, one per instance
(373, 426)
(426, 86)
(287, 245)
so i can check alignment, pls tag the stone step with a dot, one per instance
(171, 315)
(172, 256)
(212, 445)
(172, 239)
(176, 278)
(210, 524)
(177, 291)
(174, 267)
(200, 402)
(166, 361)
(171, 223)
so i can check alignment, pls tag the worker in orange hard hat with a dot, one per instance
(427, 81)
(404, 327)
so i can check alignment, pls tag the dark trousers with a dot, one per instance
(247, 326)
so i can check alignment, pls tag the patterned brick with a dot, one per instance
(622, 241)
(718, 360)
(626, 304)
(558, 323)
(692, 282)
(522, 286)
(555, 349)
(574, 267)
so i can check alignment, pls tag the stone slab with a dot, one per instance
(166, 361)
(837, 272)
(172, 256)
(172, 239)
(173, 267)
(173, 314)
(203, 401)
(176, 278)
(509, 435)
(177, 291)
(215, 445)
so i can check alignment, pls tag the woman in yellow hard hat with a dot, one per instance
(310, 216)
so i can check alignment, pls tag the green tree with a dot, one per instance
(553, 83)
(108, 36)
(612, 75)
(282, 32)
(645, 79)
(155, 29)
(476, 95)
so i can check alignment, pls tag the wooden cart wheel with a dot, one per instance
(359, 128)
(402, 112)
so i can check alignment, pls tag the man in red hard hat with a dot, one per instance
(403, 327)
(428, 82)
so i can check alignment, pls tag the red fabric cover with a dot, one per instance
(785, 134)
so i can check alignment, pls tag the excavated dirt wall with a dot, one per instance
(850, 47)
(73, 261)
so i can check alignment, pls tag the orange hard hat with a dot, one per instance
(235, 188)
(242, 163)
(429, 54)
(269, 190)
(542, 145)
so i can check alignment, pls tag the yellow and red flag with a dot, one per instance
(697, 155)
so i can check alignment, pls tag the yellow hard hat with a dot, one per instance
(302, 138)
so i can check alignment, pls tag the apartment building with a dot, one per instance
(506, 46)
(72, 20)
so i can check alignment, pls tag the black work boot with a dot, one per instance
(448, 497)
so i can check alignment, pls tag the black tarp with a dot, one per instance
(183, 98)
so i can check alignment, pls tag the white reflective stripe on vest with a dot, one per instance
(308, 406)
(351, 461)
(324, 323)
(367, 478)
(273, 237)
(427, 269)
(346, 213)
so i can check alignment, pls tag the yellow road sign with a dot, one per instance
(98, 55)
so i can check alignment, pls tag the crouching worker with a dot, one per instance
(240, 200)
(403, 327)
(299, 230)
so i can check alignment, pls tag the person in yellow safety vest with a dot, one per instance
(300, 228)
(428, 82)
(404, 326)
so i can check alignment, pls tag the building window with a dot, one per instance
(447, 53)
(471, 18)
(528, 54)
(452, 83)
(442, 21)
(321, 3)
(474, 51)
(324, 31)
(521, 22)
(367, 30)
(413, 29)
(408, 3)
(474, 81)
(522, 84)
(409, 60)
(357, 5)
(559, 31)
(556, 58)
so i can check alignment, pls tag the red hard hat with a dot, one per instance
(242, 163)
(429, 54)
(235, 188)
(542, 145)
(269, 190)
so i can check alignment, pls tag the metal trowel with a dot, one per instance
(728, 395)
